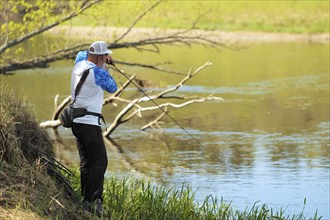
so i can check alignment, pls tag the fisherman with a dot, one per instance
(87, 129)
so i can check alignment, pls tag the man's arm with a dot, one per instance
(104, 80)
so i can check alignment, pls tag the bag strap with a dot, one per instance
(100, 117)
(81, 81)
(79, 85)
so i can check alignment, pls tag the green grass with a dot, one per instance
(131, 198)
(270, 16)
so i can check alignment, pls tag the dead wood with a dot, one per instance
(133, 107)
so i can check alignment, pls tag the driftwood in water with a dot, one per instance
(133, 107)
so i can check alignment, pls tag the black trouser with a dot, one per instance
(93, 160)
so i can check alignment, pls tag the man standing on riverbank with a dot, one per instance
(87, 128)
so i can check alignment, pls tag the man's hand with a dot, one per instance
(109, 61)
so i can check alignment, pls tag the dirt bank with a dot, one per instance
(32, 183)
(111, 33)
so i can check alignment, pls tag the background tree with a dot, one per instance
(22, 21)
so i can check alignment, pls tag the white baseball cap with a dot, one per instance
(99, 48)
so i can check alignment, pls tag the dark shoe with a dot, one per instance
(98, 207)
(94, 207)
(87, 206)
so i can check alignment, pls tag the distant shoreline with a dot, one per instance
(110, 33)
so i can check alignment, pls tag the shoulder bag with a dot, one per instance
(68, 114)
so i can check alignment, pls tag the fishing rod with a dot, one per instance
(141, 90)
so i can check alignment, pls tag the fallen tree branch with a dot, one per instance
(55, 122)
(129, 108)
(211, 98)
(70, 53)
(59, 108)
(134, 108)
(119, 92)
(152, 66)
(155, 122)
(50, 124)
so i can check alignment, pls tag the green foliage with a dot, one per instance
(131, 198)
(269, 16)
(21, 17)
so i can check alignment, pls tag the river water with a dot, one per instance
(267, 142)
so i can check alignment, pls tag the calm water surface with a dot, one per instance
(267, 142)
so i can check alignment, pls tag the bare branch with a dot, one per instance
(50, 124)
(148, 66)
(70, 53)
(179, 105)
(59, 108)
(55, 122)
(154, 122)
(119, 119)
(134, 103)
(136, 21)
(189, 75)
(119, 92)
(133, 108)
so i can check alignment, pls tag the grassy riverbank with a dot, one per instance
(130, 198)
(261, 16)
(32, 184)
